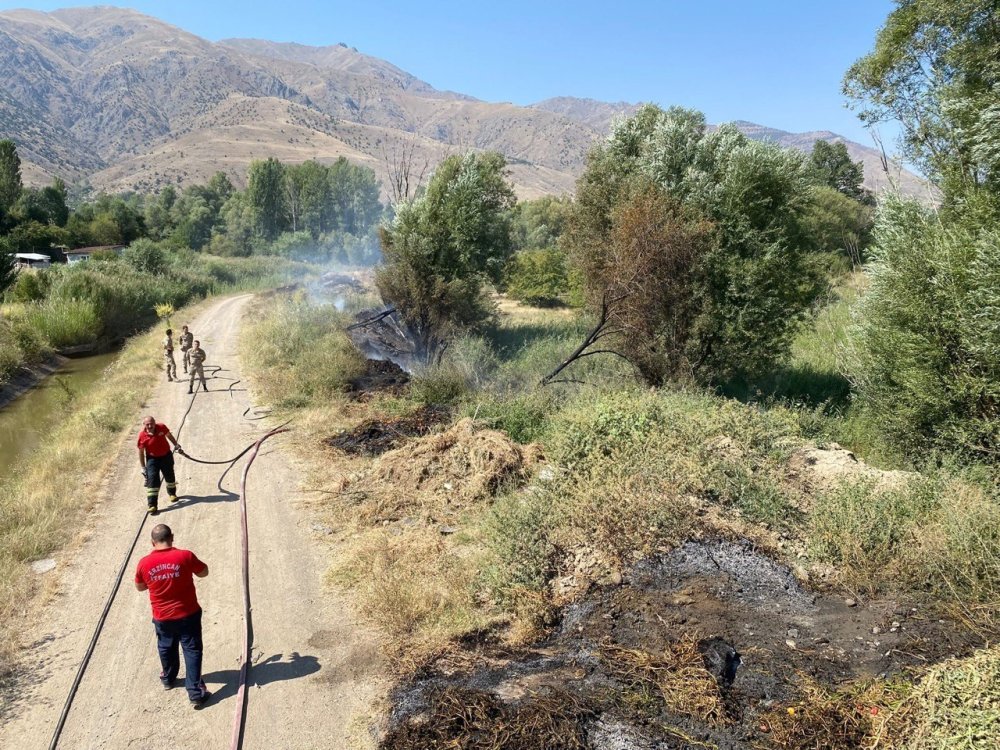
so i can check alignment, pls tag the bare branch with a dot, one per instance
(370, 321)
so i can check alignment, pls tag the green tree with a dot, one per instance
(837, 224)
(833, 167)
(443, 246)
(934, 70)
(538, 277)
(265, 195)
(10, 176)
(538, 224)
(753, 284)
(354, 191)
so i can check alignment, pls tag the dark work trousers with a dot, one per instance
(186, 633)
(154, 468)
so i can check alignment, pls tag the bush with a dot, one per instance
(926, 345)
(30, 286)
(145, 256)
(939, 534)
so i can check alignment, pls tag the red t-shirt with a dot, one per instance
(168, 574)
(156, 445)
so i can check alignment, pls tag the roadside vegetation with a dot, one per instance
(713, 319)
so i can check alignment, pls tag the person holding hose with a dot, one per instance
(156, 459)
(166, 573)
(197, 357)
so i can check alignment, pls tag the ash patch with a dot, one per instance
(380, 376)
(739, 572)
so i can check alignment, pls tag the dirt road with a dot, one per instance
(315, 669)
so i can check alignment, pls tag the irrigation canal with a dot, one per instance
(25, 420)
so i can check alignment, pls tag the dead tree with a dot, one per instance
(404, 169)
(604, 328)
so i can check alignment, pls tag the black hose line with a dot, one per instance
(93, 641)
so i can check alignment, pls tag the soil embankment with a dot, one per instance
(314, 668)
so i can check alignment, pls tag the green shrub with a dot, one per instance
(65, 322)
(842, 530)
(145, 256)
(926, 345)
(30, 286)
(517, 530)
(523, 416)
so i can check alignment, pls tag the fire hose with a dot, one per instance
(239, 720)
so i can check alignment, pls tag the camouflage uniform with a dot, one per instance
(168, 356)
(197, 358)
(186, 340)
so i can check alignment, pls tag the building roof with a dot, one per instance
(89, 250)
(32, 256)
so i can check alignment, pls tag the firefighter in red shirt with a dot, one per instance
(155, 459)
(166, 573)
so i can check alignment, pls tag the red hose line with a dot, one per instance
(239, 719)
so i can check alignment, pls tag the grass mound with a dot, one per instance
(461, 466)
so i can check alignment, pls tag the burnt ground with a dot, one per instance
(373, 437)
(642, 665)
(380, 376)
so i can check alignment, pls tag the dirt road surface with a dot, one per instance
(314, 667)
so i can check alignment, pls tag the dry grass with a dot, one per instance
(417, 585)
(678, 674)
(38, 512)
(441, 474)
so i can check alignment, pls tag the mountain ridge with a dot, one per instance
(126, 101)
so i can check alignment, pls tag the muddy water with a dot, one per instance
(25, 420)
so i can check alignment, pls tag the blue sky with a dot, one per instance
(774, 62)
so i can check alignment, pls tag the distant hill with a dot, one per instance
(128, 102)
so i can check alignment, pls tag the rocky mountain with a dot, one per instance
(128, 102)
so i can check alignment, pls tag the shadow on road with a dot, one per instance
(271, 669)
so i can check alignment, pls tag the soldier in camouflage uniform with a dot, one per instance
(185, 341)
(197, 357)
(168, 355)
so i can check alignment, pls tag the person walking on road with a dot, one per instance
(156, 459)
(185, 341)
(166, 573)
(197, 356)
(168, 355)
